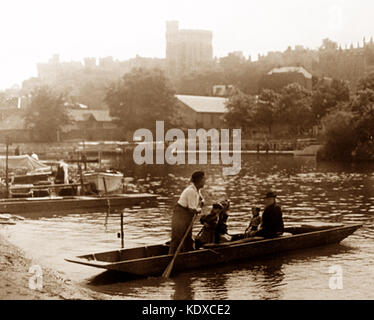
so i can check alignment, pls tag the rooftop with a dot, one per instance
(86, 114)
(291, 69)
(204, 104)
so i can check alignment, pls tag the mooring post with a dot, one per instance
(7, 142)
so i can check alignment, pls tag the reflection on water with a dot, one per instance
(308, 193)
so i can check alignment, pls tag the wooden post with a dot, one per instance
(85, 157)
(108, 202)
(6, 166)
(81, 178)
(122, 245)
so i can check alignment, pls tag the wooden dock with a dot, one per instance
(72, 204)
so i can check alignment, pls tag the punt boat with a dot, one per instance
(152, 260)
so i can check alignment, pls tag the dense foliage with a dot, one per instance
(46, 114)
(140, 98)
(350, 126)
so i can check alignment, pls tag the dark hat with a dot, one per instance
(217, 206)
(197, 176)
(225, 204)
(270, 195)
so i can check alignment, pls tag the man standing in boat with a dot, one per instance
(190, 203)
(272, 220)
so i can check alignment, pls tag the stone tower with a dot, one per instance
(186, 50)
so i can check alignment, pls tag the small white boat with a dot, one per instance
(105, 181)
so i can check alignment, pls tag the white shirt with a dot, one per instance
(191, 198)
(65, 167)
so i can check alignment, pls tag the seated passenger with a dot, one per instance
(221, 229)
(254, 224)
(210, 222)
(272, 220)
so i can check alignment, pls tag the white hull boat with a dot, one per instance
(105, 181)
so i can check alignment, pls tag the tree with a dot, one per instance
(241, 110)
(295, 108)
(267, 108)
(340, 134)
(46, 114)
(366, 82)
(327, 96)
(363, 103)
(362, 106)
(350, 129)
(140, 98)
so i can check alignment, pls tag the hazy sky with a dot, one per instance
(32, 31)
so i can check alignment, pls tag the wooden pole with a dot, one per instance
(81, 178)
(170, 266)
(122, 245)
(85, 157)
(99, 158)
(6, 167)
(108, 202)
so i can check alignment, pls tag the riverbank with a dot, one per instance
(73, 149)
(15, 277)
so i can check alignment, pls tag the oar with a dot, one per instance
(170, 266)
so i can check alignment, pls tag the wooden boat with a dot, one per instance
(104, 181)
(152, 260)
(71, 203)
(33, 170)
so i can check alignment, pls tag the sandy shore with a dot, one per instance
(14, 279)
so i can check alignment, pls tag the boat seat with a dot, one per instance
(41, 193)
(21, 194)
(66, 192)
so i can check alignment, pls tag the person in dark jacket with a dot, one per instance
(272, 220)
(209, 222)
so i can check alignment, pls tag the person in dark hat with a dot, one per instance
(209, 222)
(272, 220)
(190, 203)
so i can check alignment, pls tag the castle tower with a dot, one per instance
(186, 50)
(172, 29)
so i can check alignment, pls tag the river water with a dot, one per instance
(309, 192)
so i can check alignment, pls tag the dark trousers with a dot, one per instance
(180, 221)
